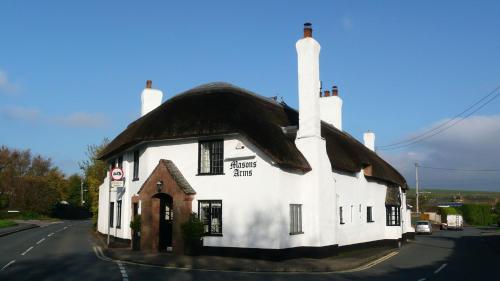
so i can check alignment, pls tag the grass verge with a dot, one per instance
(6, 223)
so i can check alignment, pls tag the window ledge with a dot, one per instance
(210, 174)
(342, 223)
(213, 235)
(296, 233)
(370, 221)
(135, 179)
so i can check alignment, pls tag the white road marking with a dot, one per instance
(29, 249)
(122, 271)
(65, 227)
(440, 268)
(5, 266)
(50, 234)
(423, 279)
(41, 240)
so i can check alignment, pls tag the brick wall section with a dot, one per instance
(150, 210)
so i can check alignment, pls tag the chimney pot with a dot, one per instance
(335, 91)
(149, 84)
(327, 93)
(308, 29)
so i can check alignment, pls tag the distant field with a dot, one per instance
(431, 197)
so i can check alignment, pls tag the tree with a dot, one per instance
(94, 171)
(29, 183)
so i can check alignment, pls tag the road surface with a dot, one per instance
(65, 252)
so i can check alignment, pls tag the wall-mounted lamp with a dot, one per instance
(159, 186)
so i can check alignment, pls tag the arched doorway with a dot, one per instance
(166, 218)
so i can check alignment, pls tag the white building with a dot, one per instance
(263, 177)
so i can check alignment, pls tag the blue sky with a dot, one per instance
(71, 73)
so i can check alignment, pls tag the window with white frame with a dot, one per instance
(111, 213)
(296, 219)
(369, 214)
(341, 215)
(119, 214)
(393, 215)
(136, 166)
(210, 214)
(211, 157)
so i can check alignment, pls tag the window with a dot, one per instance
(392, 213)
(295, 219)
(120, 162)
(119, 214)
(210, 213)
(112, 164)
(369, 214)
(341, 215)
(210, 157)
(136, 165)
(111, 213)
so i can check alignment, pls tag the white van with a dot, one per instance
(452, 222)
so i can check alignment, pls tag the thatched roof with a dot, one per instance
(221, 108)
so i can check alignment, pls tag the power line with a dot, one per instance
(442, 127)
(461, 170)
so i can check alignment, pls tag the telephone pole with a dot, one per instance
(416, 186)
(81, 191)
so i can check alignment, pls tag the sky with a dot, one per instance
(71, 73)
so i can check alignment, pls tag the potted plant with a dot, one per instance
(135, 225)
(192, 232)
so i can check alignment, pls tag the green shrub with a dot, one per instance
(449, 211)
(192, 230)
(135, 224)
(477, 214)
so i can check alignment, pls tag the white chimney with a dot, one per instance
(150, 98)
(309, 85)
(331, 108)
(369, 140)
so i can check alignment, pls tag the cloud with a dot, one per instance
(20, 113)
(73, 120)
(473, 144)
(83, 120)
(6, 86)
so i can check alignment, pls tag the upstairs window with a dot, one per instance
(369, 214)
(295, 219)
(211, 157)
(210, 214)
(341, 215)
(120, 162)
(393, 215)
(136, 165)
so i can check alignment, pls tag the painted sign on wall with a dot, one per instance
(242, 168)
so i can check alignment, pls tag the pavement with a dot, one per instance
(25, 225)
(344, 261)
(68, 251)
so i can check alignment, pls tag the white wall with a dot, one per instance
(256, 208)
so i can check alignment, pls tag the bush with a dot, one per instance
(478, 214)
(192, 230)
(135, 224)
(449, 211)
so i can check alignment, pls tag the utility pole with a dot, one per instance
(416, 186)
(81, 191)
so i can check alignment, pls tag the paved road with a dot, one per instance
(62, 251)
(68, 255)
(446, 255)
